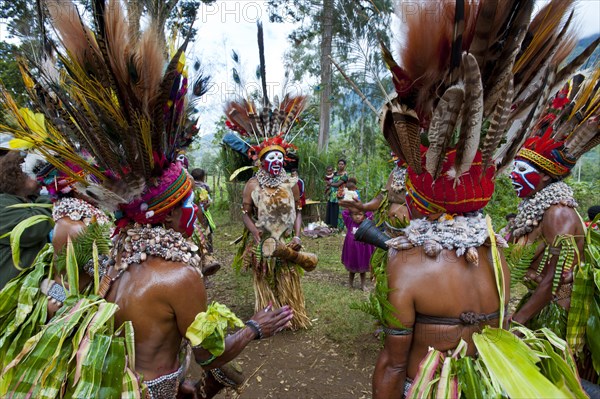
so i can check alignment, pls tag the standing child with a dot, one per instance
(356, 255)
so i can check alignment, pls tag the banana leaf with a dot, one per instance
(17, 232)
(515, 366)
(593, 332)
(113, 369)
(498, 273)
(427, 375)
(93, 365)
(581, 303)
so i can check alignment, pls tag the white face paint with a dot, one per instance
(273, 162)
(525, 178)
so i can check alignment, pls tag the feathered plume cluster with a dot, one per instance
(570, 125)
(114, 96)
(467, 70)
(261, 125)
(244, 117)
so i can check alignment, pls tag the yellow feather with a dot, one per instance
(20, 144)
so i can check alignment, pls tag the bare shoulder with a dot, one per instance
(63, 229)
(561, 219)
(250, 184)
(407, 267)
(174, 275)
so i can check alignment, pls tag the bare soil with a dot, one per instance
(296, 364)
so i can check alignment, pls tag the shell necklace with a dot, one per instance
(398, 179)
(266, 180)
(139, 242)
(531, 210)
(77, 209)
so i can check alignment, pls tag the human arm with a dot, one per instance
(356, 204)
(64, 229)
(392, 363)
(296, 242)
(248, 208)
(269, 321)
(558, 220)
(342, 179)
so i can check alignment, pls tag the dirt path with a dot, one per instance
(291, 365)
(300, 364)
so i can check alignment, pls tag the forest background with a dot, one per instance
(337, 124)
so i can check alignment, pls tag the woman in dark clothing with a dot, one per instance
(18, 188)
(340, 177)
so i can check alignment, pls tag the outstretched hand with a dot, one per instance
(355, 204)
(273, 321)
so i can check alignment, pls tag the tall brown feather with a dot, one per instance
(472, 114)
(497, 127)
(441, 128)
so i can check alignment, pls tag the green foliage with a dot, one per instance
(519, 258)
(378, 306)
(209, 328)
(83, 243)
(585, 193)
(10, 75)
(503, 202)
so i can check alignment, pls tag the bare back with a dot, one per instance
(445, 286)
(161, 299)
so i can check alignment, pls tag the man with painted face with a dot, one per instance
(272, 208)
(546, 213)
(548, 224)
(158, 285)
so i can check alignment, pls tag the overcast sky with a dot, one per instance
(231, 25)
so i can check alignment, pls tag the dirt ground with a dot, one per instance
(290, 365)
(298, 364)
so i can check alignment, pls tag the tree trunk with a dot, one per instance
(327, 31)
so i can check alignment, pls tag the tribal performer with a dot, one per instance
(547, 226)
(114, 101)
(446, 282)
(271, 205)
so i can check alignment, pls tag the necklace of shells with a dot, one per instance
(77, 209)
(266, 180)
(139, 242)
(398, 179)
(531, 210)
(463, 234)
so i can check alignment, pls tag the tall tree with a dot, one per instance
(336, 28)
(327, 36)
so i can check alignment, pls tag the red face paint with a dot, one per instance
(525, 178)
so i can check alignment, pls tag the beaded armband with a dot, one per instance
(53, 290)
(254, 326)
(397, 331)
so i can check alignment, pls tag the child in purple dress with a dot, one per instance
(356, 255)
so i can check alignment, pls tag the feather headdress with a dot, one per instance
(115, 97)
(267, 126)
(567, 128)
(459, 83)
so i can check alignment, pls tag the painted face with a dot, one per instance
(189, 214)
(525, 178)
(273, 162)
